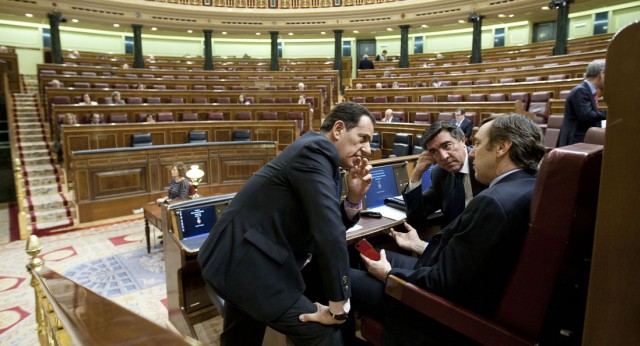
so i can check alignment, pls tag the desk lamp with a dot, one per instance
(195, 174)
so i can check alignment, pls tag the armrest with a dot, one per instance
(466, 322)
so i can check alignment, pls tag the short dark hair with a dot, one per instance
(349, 112)
(527, 147)
(434, 130)
(182, 169)
(461, 110)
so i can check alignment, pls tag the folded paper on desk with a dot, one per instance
(389, 212)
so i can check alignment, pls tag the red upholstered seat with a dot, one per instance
(399, 115)
(539, 105)
(358, 99)
(554, 122)
(268, 115)
(522, 96)
(153, 100)
(401, 99)
(445, 116)
(215, 116)
(454, 98)
(379, 99)
(189, 116)
(477, 97)
(422, 118)
(427, 98)
(497, 97)
(118, 118)
(546, 293)
(243, 115)
(164, 117)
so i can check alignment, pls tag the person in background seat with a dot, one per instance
(179, 185)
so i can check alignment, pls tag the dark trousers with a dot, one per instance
(242, 329)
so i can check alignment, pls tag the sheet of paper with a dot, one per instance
(356, 227)
(392, 213)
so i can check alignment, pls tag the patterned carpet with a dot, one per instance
(110, 259)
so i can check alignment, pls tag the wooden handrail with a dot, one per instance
(70, 314)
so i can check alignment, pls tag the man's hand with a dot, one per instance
(358, 180)
(425, 160)
(379, 269)
(409, 241)
(321, 316)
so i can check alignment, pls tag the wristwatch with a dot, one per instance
(338, 317)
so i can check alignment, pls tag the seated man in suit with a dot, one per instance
(471, 259)
(287, 217)
(388, 117)
(463, 123)
(443, 145)
(365, 63)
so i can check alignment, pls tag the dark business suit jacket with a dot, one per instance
(470, 261)
(580, 113)
(365, 64)
(438, 196)
(466, 127)
(288, 210)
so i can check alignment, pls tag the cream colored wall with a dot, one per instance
(93, 41)
(618, 19)
(581, 26)
(518, 35)
(455, 41)
(237, 48)
(307, 48)
(172, 46)
(28, 40)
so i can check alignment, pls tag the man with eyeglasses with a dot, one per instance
(453, 181)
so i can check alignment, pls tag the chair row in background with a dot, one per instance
(145, 140)
(100, 85)
(506, 80)
(171, 77)
(65, 100)
(121, 118)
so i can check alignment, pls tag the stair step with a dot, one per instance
(42, 190)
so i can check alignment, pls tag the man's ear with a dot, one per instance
(338, 129)
(502, 147)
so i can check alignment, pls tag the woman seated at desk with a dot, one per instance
(179, 186)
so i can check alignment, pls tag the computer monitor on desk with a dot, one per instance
(193, 220)
(386, 182)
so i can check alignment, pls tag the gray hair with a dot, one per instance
(595, 68)
(527, 148)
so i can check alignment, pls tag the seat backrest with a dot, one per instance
(176, 100)
(189, 116)
(376, 115)
(454, 98)
(164, 117)
(180, 87)
(533, 79)
(406, 138)
(557, 77)
(118, 118)
(197, 137)
(558, 245)
(237, 87)
(100, 85)
(445, 116)
(422, 118)
(199, 87)
(483, 82)
(564, 94)
(82, 85)
(427, 98)
(380, 99)
(141, 140)
(357, 99)
(199, 100)
(159, 87)
(375, 140)
(497, 97)
(522, 96)
(215, 116)
(241, 135)
(284, 99)
(539, 104)
(401, 99)
(267, 100)
(223, 100)
(61, 100)
(399, 115)
(507, 80)
(477, 97)
(134, 100)
(153, 100)
(268, 115)
(465, 82)
(243, 115)
(595, 135)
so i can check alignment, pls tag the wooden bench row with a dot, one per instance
(545, 73)
(107, 136)
(505, 66)
(111, 183)
(103, 96)
(123, 83)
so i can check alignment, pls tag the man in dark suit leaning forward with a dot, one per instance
(443, 145)
(471, 259)
(287, 214)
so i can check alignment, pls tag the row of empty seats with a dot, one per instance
(171, 77)
(64, 100)
(190, 116)
(87, 85)
(145, 140)
(506, 80)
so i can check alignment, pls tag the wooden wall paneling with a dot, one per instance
(127, 180)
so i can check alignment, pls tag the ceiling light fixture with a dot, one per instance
(190, 31)
(116, 25)
(29, 15)
(74, 20)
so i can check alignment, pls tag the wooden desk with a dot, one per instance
(152, 215)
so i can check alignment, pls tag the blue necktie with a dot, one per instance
(457, 197)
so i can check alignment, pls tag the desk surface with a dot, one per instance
(369, 226)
